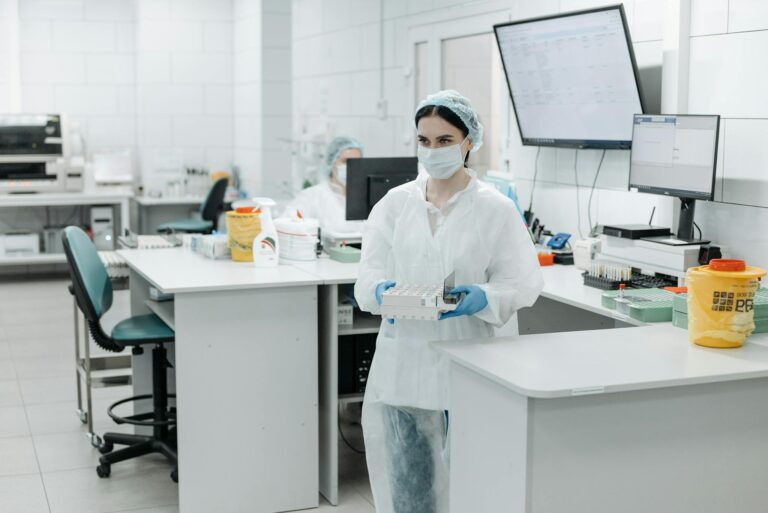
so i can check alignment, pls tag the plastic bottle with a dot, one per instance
(266, 247)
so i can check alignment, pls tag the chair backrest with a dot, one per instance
(214, 202)
(93, 289)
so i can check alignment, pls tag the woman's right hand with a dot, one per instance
(380, 289)
(383, 287)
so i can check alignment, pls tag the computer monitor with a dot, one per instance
(675, 155)
(572, 78)
(369, 179)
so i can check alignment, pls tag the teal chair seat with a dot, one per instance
(141, 329)
(187, 225)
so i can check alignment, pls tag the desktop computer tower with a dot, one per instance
(355, 358)
(103, 228)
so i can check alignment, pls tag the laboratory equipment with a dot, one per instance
(345, 254)
(558, 241)
(297, 237)
(572, 78)
(721, 302)
(346, 314)
(355, 358)
(35, 155)
(19, 244)
(103, 228)
(419, 302)
(369, 180)
(635, 231)
(645, 305)
(546, 258)
(584, 251)
(266, 245)
(648, 257)
(611, 276)
(213, 246)
(676, 155)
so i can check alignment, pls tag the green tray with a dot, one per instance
(680, 320)
(345, 254)
(680, 303)
(646, 305)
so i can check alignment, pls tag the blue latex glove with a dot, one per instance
(473, 301)
(380, 289)
(383, 287)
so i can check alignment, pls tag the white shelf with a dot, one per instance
(51, 199)
(52, 258)
(363, 324)
(164, 310)
(169, 201)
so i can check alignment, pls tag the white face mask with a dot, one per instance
(441, 163)
(341, 173)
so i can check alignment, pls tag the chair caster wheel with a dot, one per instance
(105, 447)
(175, 475)
(104, 470)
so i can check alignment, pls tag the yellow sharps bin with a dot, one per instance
(243, 225)
(721, 299)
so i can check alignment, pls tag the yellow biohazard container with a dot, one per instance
(721, 299)
(243, 225)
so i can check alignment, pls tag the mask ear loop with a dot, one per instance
(469, 150)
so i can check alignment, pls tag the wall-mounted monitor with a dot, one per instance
(572, 78)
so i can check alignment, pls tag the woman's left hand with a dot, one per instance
(473, 301)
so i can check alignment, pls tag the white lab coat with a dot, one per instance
(327, 205)
(484, 241)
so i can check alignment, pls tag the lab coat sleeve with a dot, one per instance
(514, 276)
(376, 252)
(305, 202)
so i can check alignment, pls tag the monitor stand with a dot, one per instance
(684, 227)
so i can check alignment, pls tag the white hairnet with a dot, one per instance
(460, 106)
(337, 146)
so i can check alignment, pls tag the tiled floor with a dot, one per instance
(47, 464)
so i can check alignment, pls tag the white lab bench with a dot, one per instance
(118, 200)
(246, 378)
(632, 420)
(149, 213)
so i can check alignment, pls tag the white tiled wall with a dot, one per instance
(336, 85)
(77, 57)
(262, 95)
(727, 77)
(184, 73)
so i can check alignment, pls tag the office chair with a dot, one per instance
(210, 210)
(93, 292)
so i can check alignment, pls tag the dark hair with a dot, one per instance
(445, 113)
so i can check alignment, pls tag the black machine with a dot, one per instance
(369, 180)
(355, 358)
(635, 231)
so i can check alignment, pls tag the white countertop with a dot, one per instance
(604, 361)
(178, 271)
(170, 200)
(565, 284)
(330, 271)
(46, 199)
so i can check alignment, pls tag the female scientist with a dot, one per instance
(444, 221)
(326, 201)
